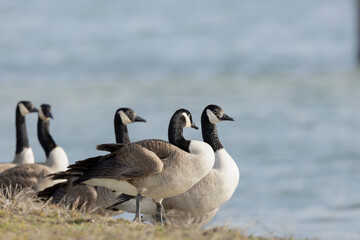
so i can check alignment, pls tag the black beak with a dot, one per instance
(194, 126)
(49, 115)
(34, 109)
(139, 119)
(226, 118)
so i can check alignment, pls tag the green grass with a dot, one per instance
(22, 218)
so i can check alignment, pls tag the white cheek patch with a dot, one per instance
(124, 118)
(23, 109)
(42, 115)
(187, 120)
(212, 118)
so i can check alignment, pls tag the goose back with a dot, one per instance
(27, 176)
(5, 166)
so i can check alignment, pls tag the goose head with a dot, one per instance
(215, 114)
(127, 115)
(211, 115)
(26, 107)
(45, 112)
(182, 119)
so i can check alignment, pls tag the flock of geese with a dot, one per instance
(178, 181)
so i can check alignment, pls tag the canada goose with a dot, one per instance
(151, 168)
(91, 197)
(23, 153)
(56, 158)
(199, 203)
(33, 175)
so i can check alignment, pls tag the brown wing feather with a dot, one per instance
(57, 191)
(131, 161)
(109, 147)
(59, 175)
(161, 148)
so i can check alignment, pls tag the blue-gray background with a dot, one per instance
(285, 70)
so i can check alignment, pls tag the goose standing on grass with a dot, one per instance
(151, 168)
(23, 153)
(200, 203)
(92, 198)
(34, 175)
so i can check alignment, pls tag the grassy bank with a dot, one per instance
(22, 217)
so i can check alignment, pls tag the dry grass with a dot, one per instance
(22, 217)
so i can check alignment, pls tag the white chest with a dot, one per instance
(26, 156)
(57, 160)
(227, 171)
(214, 189)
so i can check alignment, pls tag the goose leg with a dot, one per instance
(138, 208)
(159, 210)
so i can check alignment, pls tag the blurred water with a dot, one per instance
(284, 70)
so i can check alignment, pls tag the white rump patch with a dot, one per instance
(124, 118)
(212, 117)
(23, 109)
(187, 119)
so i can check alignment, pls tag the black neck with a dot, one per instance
(176, 137)
(121, 131)
(209, 133)
(22, 140)
(45, 139)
